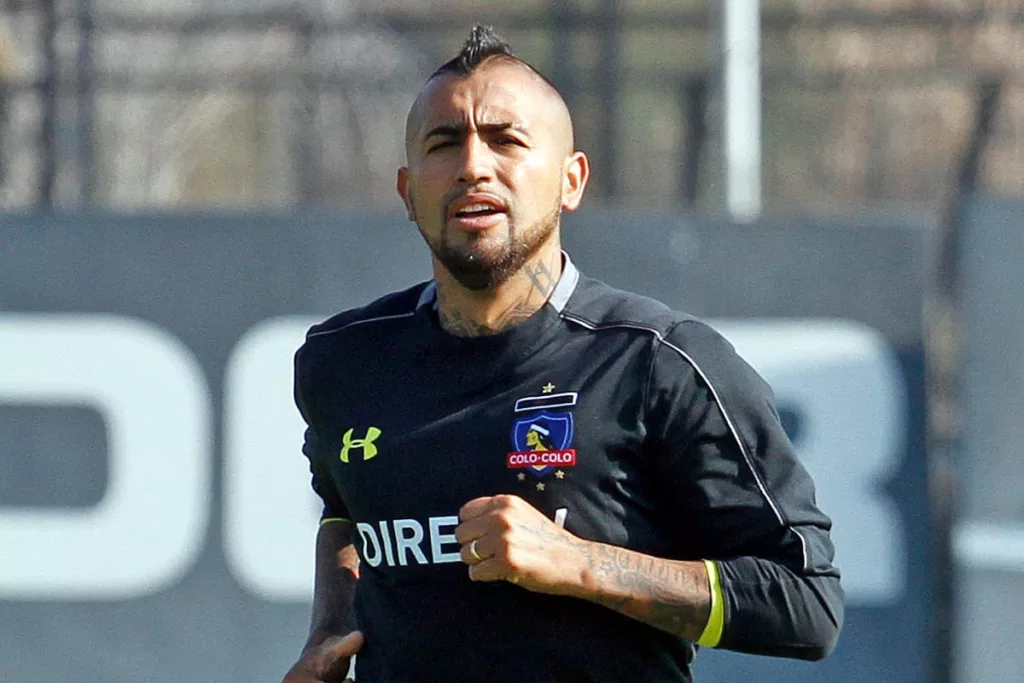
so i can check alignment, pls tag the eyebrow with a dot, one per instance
(450, 130)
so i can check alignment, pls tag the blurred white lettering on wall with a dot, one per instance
(270, 512)
(846, 387)
(149, 526)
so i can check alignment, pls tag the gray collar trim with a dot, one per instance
(558, 299)
(428, 297)
(566, 284)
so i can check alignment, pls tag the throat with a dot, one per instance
(462, 323)
(469, 313)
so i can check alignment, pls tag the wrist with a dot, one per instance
(587, 583)
(581, 579)
(712, 632)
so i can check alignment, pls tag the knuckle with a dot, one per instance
(512, 561)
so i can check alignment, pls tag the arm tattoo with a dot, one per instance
(670, 595)
(667, 594)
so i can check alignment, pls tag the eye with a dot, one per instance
(507, 140)
(441, 145)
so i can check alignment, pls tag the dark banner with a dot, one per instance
(156, 521)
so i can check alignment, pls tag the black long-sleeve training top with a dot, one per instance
(625, 421)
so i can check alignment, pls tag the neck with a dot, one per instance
(466, 313)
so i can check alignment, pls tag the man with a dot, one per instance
(546, 479)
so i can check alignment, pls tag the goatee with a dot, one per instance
(479, 271)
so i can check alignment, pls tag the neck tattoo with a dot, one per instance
(542, 282)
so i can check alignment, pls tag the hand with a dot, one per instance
(515, 542)
(328, 662)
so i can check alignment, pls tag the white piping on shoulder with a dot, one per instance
(721, 406)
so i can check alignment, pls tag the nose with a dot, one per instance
(477, 162)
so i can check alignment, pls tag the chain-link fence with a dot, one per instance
(149, 104)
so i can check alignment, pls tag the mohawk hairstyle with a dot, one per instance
(482, 44)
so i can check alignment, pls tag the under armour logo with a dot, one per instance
(366, 443)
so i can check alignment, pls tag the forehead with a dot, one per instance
(491, 94)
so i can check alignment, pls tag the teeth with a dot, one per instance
(472, 208)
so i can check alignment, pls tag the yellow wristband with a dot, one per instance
(716, 621)
(328, 520)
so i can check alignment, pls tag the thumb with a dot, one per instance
(332, 655)
(343, 646)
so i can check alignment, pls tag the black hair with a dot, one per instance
(484, 43)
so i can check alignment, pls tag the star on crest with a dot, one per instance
(560, 474)
(521, 476)
(540, 486)
(547, 388)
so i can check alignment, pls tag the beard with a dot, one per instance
(479, 266)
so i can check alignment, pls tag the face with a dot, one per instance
(491, 168)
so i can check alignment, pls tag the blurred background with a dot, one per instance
(186, 185)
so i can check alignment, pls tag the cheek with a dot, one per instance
(427, 187)
(539, 186)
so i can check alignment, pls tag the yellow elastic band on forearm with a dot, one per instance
(328, 520)
(716, 621)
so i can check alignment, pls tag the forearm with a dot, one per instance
(670, 595)
(337, 572)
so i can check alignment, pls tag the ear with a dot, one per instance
(574, 180)
(402, 185)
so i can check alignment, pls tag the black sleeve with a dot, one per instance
(739, 496)
(323, 485)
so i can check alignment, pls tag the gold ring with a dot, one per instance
(474, 553)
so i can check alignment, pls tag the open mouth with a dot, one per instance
(477, 211)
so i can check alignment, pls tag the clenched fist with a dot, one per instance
(504, 538)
